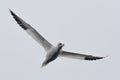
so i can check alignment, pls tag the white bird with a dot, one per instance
(52, 51)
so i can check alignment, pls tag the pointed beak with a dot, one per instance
(43, 65)
(62, 44)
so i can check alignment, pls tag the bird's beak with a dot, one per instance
(62, 44)
(43, 65)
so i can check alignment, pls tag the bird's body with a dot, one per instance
(52, 51)
(52, 54)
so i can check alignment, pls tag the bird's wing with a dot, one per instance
(32, 32)
(79, 56)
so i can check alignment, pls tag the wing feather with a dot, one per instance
(32, 32)
(79, 56)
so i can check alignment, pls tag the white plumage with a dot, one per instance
(52, 51)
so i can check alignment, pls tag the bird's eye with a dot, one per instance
(60, 43)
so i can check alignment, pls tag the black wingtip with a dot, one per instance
(9, 9)
(12, 13)
(18, 20)
(93, 58)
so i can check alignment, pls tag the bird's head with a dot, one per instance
(60, 45)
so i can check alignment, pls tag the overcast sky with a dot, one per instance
(84, 26)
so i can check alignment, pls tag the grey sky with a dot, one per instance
(85, 26)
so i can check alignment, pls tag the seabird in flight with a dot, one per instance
(52, 51)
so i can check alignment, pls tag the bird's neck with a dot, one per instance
(59, 49)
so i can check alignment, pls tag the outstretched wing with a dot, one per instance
(32, 32)
(79, 56)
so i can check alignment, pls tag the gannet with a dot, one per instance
(53, 52)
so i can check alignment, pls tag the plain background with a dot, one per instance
(85, 26)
